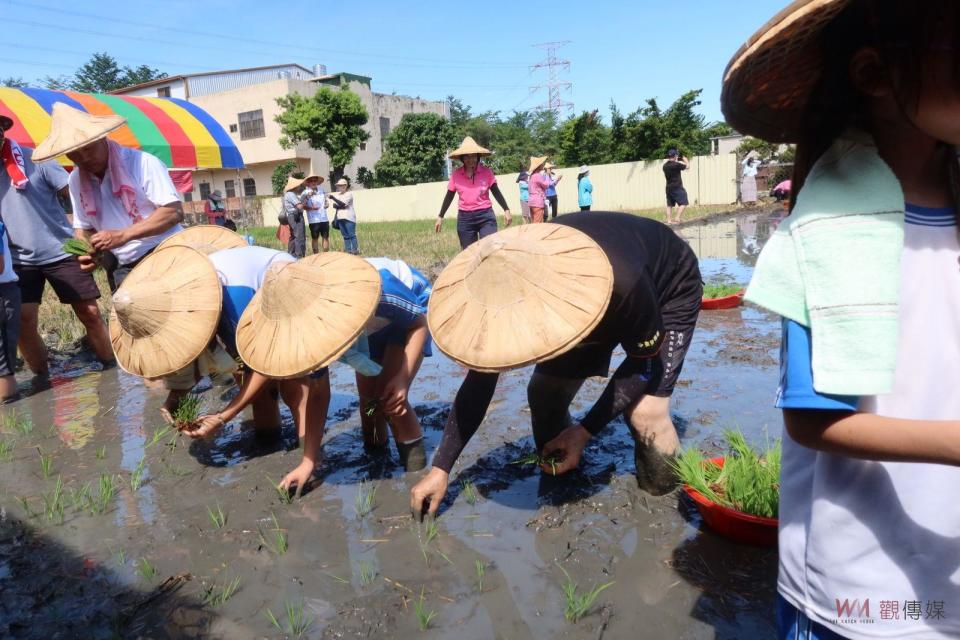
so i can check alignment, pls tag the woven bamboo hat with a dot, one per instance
(71, 129)
(469, 147)
(320, 178)
(307, 314)
(768, 81)
(165, 312)
(205, 238)
(293, 183)
(536, 162)
(522, 295)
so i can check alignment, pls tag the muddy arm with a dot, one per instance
(627, 385)
(469, 408)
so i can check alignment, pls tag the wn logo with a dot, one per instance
(848, 609)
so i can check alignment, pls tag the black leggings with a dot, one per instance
(586, 208)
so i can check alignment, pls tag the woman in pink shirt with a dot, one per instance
(473, 182)
(537, 183)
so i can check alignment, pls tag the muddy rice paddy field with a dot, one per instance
(112, 526)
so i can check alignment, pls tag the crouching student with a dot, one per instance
(398, 341)
(564, 295)
(284, 320)
(864, 274)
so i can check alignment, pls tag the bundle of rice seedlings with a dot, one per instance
(77, 247)
(748, 481)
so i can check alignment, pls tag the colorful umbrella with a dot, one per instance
(181, 134)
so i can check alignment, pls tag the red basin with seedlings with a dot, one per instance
(726, 302)
(730, 523)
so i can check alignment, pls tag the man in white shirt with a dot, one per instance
(124, 201)
(316, 208)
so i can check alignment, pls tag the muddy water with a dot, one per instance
(90, 576)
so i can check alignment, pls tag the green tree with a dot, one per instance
(584, 140)
(416, 150)
(459, 114)
(331, 121)
(102, 74)
(283, 171)
(11, 81)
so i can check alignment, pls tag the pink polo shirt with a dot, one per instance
(474, 194)
(538, 185)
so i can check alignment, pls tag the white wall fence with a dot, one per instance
(710, 180)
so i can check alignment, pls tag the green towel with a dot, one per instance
(834, 266)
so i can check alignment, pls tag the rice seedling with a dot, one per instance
(366, 492)
(218, 517)
(217, 595)
(748, 481)
(366, 572)
(46, 463)
(25, 505)
(337, 578)
(481, 570)
(120, 556)
(297, 624)
(176, 471)
(535, 459)
(158, 435)
(469, 492)
(426, 534)
(578, 604)
(720, 290)
(277, 539)
(146, 570)
(16, 422)
(80, 498)
(108, 490)
(423, 616)
(285, 496)
(187, 411)
(102, 452)
(136, 476)
(53, 502)
(6, 450)
(371, 408)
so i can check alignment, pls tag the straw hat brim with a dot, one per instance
(535, 163)
(307, 314)
(72, 129)
(520, 296)
(293, 183)
(469, 147)
(205, 238)
(320, 178)
(767, 84)
(165, 313)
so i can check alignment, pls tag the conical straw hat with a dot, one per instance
(770, 78)
(165, 312)
(307, 314)
(536, 162)
(205, 238)
(71, 129)
(293, 183)
(469, 147)
(522, 295)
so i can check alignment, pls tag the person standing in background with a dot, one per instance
(676, 194)
(345, 219)
(524, 196)
(293, 207)
(537, 185)
(748, 181)
(584, 188)
(316, 203)
(551, 192)
(214, 209)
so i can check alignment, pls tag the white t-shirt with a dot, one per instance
(156, 190)
(347, 199)
(887, 532)
(317, 199)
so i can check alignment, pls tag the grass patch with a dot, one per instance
(218, 517)
(363, 503)
(277, 540)
(217, 595)
(720, 289)
(297, 623)
(424, 617)
(748, 481)
(469, 492)
(578, 604)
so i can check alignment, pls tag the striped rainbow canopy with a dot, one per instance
(181, 134)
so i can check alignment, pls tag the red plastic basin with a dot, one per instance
(733, 524)
(732, 301)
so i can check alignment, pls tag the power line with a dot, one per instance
(554, 85)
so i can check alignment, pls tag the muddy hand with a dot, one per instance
(205, 426)
(426, 495)
(298, 477)
(565, 450)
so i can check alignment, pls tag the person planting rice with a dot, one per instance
(864, 275)
(398, 341)
(124, 202)
(286, 321)
(562, 296)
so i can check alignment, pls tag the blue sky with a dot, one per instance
(480, 52)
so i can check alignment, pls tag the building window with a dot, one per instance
(188, 196)
(363, 146)
(228, 186)
(163, 92)
(249, 187)
(384, 127)
(233, 128)
(204, 190)
(251, 124)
